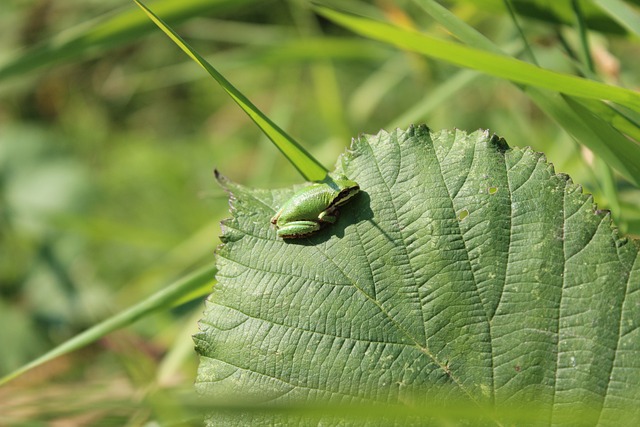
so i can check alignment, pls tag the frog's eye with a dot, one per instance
(349, 192)
(345, 195)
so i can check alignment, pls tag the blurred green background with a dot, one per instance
(109, 138)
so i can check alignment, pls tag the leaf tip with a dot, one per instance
(414, 130)
(222, 180)
(498, 142)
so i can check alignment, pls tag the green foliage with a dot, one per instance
(627, 153)
(463, 267)
(107, 32)
(297, 155)
(193, 286)
(110, 136)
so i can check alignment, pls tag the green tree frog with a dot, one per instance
(309, 209)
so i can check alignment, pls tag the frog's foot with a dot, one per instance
(330, 216)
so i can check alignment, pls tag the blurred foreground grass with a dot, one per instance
(106, 158)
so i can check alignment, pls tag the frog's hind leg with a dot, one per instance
(296, 229)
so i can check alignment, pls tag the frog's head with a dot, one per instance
(346, 190)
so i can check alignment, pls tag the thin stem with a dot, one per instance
(582, 32)
(527, 47)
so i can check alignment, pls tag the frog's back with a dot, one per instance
(307, 203)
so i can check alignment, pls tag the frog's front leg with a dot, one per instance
(295, 229)
(330, 216)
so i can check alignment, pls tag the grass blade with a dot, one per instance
(309, 167)
(622, 13)
(581, 29)
(489, 63)
(595, 134)
(615, 118)
(617, 150)
(194, 285)
(440, 94)
(516, 24)
(457, 27)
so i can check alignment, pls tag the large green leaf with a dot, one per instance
(464, 268)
